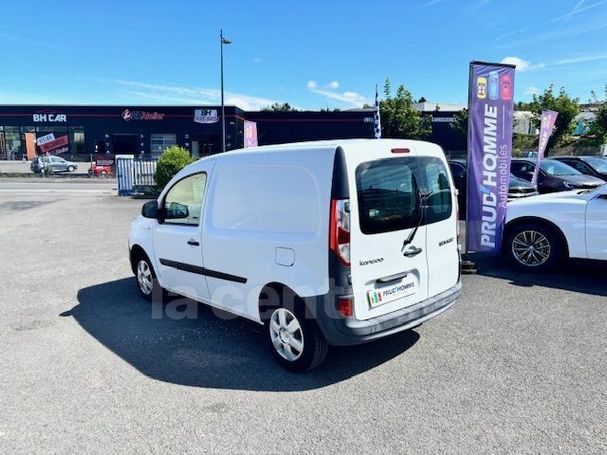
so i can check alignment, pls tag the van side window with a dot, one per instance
(438, 203)
(183, 202)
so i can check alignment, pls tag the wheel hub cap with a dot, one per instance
(144, 277)
(286, 334)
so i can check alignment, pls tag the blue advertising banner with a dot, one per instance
(490, 115)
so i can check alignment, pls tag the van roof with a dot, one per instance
(331, 142)
(350, 146)
(323, 144)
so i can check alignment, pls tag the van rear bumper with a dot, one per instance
(349, 331)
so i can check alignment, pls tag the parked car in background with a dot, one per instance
(553, 175)
(589, 165)
(100, 170)
(541, 232)
(459, 169)
(51, 165)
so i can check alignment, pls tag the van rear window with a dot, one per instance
(394, 193)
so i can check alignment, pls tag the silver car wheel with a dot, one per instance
(531, 248)
(144, 277)
(286, 334)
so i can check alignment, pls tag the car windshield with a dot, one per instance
(599, 164)
(556, 168)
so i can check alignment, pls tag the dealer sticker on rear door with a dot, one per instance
(388, 294)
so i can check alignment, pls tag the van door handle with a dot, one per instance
(391, 278)
(413, 251)
(193, 242)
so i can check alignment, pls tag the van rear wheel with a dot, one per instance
(296, 342)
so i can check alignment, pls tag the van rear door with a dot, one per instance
(441, 228)
(388, 237)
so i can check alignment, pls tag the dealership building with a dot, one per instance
(77, 132)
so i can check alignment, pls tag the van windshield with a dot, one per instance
(394, 193)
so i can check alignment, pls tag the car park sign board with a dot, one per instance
(490, 113)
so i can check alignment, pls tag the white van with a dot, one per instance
(334, 242)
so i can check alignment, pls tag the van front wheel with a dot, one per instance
(147, 283)
(296, 342)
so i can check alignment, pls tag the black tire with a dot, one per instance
(71, 168)
(103, 174)
(535, 247)
(151, 290)
(315, 346)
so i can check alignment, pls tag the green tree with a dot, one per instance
(399, 118)
(460, 123)
(279, 107)
(172, 160)
(566, 106)
(598, 127)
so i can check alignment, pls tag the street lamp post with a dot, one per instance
(223, 117)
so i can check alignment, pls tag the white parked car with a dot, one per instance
(337, 242)
(542, 231)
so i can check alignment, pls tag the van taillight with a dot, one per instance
(339, 229)
(345, 307)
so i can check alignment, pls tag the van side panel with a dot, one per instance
(266, 220)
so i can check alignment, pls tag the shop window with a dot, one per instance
(77, 144)
(13, 148)
(159, 142)
(3, 154)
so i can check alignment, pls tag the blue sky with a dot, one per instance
(311, 54)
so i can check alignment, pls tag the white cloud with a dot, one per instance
(312, 84)
(257, 60)
(531, 90)
(349, 98)
(190, 95)
(582, 59)
(430, 3)
(513, 32)
(522, 65)
(13, 97)
(33, 42)
(577, 9)
(334, 85)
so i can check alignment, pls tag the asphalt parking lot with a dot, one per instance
(86, 366)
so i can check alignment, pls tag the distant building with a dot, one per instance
(80, 131)
(77, 132)
(523, 123)
(443, 115)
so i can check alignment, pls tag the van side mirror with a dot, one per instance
(150, 209)
(176, 211)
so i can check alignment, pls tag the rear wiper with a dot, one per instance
(411, 236)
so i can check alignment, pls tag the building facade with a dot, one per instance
(77, 132)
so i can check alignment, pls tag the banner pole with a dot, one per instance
(468, 266)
